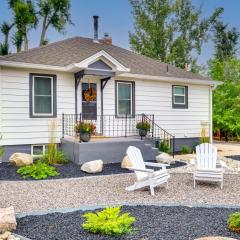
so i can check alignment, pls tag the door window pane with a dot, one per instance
(89, 101)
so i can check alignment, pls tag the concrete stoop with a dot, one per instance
(108, 150)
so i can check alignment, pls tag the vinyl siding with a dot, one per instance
(17, 126)
(154, 97)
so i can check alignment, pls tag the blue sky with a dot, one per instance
(116, 19)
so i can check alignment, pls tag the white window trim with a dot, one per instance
(38, 145)
(33, 97)
(131, 99)
(179, 95)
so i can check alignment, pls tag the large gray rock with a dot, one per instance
(21, 159)
(7, 219)
(164, 157)
(92, 166)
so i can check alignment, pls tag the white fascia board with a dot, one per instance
(102, 54)
(33, 65)
(170, 79)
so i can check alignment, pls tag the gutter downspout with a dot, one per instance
(211, 89)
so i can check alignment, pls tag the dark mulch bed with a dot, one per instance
(234, 157)
(70, 170)
(152, 222)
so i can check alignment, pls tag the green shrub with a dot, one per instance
(143, 125)
(164, 147)
(38, 170)
(109, 222)
(1, 151)
(54, 157)
(234, 222)
(185, 149)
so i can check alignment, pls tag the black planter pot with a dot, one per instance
(85, 137)
(142, 132)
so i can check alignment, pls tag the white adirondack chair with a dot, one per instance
(207, 166)
(146, 177)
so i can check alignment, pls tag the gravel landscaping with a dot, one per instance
(28, 196)
(71, 170)
(152, 222)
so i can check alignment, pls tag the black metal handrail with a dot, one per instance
(124, 126)
(106, 125)
(159, 136)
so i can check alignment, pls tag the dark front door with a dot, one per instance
(89, 101)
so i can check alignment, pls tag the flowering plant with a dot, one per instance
(85, 127)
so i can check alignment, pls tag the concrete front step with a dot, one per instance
(109, 150)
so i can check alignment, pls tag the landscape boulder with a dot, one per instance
(7, 219)
(126, 162)
(92, 166)
(164, 157)
(21, 159)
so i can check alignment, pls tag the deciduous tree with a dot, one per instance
(170, 30)
(55, 13)
(24, 17)
(226, 98)
(225, 41)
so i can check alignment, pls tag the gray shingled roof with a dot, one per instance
(74, 50)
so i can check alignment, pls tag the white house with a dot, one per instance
(44, 83)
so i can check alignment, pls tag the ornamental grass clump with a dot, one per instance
(1, 151)
(185, 149)
(109, 222)
(164, 146)
(234, 222)
(54, 157)
(38, 170)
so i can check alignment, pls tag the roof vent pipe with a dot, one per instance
(95, 25)
(167, 69)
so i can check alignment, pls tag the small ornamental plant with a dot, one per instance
(185, 149)
(37, 170)
(234, 222)
(164, 147)
(144, 125)
(1, 151)
(85, 127)
(109, 221)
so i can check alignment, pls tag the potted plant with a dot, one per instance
(143, 128)
(85, 129)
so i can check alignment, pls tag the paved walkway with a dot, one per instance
(44, 195)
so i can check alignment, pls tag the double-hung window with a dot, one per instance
(180, 96)
(125, 92)
(42, 95)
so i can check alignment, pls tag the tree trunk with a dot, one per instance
(6, 39)
(25, 42)
(44, 29)
(19, 48)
